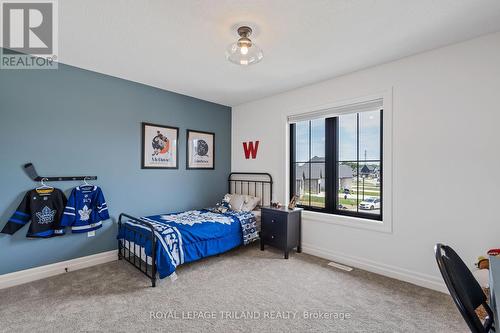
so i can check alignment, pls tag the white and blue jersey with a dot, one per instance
(86, 209)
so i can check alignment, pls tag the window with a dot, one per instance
(336, 164)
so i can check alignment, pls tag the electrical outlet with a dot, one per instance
(91, 233)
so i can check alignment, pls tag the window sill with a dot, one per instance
(349, 221)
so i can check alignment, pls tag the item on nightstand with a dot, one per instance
(276, 204)
(293, 202)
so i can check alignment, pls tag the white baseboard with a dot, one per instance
(419, 279)
(37, 273)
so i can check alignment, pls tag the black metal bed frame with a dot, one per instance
(263, 179)
(131, 258)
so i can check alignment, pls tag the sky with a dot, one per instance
(369, 139)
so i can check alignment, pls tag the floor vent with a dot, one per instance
(340, 266)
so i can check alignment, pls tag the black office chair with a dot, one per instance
(464, 289)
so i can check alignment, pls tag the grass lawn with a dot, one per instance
(319, 201)
(367, 187)
(350, 203)
(315, 200)
(367, 193)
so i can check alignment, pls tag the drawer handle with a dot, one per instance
(273, 220)
(272, 237)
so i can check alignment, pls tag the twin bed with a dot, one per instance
(157, 244)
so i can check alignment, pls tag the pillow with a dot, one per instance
(250, 203)
(237, 201)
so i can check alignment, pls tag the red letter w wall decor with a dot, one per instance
(250, 149)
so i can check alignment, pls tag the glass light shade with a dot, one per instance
(244, 54)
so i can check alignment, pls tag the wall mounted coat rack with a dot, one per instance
(31, 171)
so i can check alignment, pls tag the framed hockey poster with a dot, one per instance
(159, 147)
(200, 150)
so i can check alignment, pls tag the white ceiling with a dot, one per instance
(179, 45)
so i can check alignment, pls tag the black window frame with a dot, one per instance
(331, 168)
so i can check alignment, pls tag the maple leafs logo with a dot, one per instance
(84, 213)
(46, 216)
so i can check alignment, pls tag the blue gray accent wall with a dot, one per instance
(71, 121)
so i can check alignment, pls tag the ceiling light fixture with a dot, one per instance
(244, 52)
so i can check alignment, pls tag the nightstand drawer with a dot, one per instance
(274, 239)
(273, 223)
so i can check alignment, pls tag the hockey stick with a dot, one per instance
(31, 171)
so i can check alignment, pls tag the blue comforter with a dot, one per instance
(188, 236)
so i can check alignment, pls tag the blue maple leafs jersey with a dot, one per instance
(86, 209)
(44, 210)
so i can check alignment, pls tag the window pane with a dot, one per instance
(369, 135)
(369, 188)
(302, 141)
(347, 137)
(302, 183)
(357, 157)
(318, 140)
(347, 186)
(317, 185)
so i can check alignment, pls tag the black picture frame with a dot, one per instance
(143, 146)
(188, 146)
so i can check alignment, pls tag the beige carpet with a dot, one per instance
(217, 293)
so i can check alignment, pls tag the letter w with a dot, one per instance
(250, 149)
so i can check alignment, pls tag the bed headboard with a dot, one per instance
(257, 184)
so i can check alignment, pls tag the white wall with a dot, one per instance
(446, 158)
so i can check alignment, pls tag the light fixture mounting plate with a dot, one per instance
(244, 31)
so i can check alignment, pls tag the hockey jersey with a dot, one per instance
(44, 209)
(86, 209)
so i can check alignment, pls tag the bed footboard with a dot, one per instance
(130, 254)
